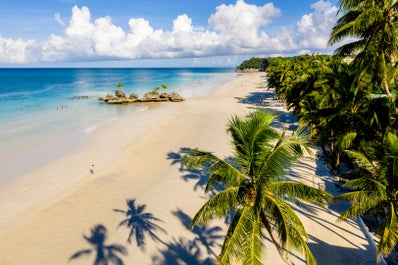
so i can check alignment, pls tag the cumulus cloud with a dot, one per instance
(314, 28)
(16, 51)
(240, 23)
(233, 29)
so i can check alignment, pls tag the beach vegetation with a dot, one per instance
(259, 64)
(256, 190)
(374, 189)
(104, 254)
(346, 113)
(164, 86)
(371, 29)
(155, 90)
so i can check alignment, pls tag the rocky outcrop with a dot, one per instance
(133, 96)
(153, 96)
(120, 94)
(174, 97)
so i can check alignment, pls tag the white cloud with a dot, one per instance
(239, 24)
(59, 19)
(234, 29)
(15, 51)
(182, 23)
(314, 28)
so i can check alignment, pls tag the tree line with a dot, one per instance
(348, 102)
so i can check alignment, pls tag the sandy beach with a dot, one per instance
(45, 214)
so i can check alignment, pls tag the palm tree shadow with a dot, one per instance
(267, 100)
(187, 251)
(105, 254)
(205, 236)
(177, 157)
(181, 251)
(348, 255)
(256, 98)
(197, 175)
(140, 223)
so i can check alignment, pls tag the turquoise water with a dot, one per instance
(39, 110)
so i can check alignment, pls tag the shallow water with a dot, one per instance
(42, 120)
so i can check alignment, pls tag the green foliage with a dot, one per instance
(343, 105)
(253, 63)
(255, 189)
(156, 90)
(375, 189)
(164, 86)
(327, 94)
(373, 25)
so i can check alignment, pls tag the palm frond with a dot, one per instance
(362, 161)
(368, 184)
(290, 230)
(281, 159)
(345, 140)
(243, 240)
(250, 137)
(219, 170)
(220, 205)
(361, 202)
(296, 190)
(388, 232)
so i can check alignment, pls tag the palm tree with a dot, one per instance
(255, 189)
(139, 223)
(164, 86)
(375, 189)
(105, 254)
(373, 25)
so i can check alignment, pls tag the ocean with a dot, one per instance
(42, 109)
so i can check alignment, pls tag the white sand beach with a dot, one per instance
(45, 214)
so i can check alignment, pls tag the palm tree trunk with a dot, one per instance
(384, 81)
(269, 230)
(385, 85)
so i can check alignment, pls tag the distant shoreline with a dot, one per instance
(49, 125)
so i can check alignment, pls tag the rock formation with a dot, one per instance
(153, 96)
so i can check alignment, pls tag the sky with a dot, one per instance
(160, 33)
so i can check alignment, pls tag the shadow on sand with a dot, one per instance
(199, 176)
(346, 255)
(267, 100)
(140, 223)
(104, 254)
(191, 251)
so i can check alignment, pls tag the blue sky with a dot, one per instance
(160, 33)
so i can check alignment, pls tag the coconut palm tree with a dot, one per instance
(373, 26)
(164, 86)
(375, 189)
(139, 222)
(105, 254)
(256, 189)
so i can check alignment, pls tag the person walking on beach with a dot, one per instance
(92, 169)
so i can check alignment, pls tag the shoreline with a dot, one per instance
(45, 126)
(45, 226)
